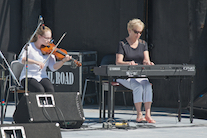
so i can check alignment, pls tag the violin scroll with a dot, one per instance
(77, 63)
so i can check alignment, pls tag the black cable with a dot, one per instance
(47, 113)
(62, 116)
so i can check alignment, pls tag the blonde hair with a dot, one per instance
(135, 22)
(40, 31)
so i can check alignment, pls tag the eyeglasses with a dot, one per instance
(137, 32)
(48, 38)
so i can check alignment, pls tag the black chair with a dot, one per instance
(108, 59)
(87, 80)
(14, 85)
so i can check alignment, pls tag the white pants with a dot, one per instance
(142, 89)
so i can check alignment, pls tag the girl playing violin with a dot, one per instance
(38, 80)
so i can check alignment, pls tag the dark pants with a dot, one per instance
(44, 85)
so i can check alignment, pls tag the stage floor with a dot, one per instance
(167, 125)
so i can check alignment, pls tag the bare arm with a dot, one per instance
(31, 61)
(146, 60)
(56, 66)
(59, 64)
(119, 60)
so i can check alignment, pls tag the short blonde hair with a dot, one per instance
(135, 22)
(40, 31)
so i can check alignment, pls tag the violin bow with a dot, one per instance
(55, 47)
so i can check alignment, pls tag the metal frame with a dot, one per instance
(80, 55)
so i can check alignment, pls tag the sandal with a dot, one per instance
(141, 120)
(150, 121)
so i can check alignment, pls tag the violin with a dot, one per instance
(58, 52)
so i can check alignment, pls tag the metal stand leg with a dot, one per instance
(113, 100)
(179, 101)
(100, 97)
(7, 98)
(103, 100)
(3, 90)
(191, 101)
(109, 99)
(2, 98)
(84, 90)
(97, 94)
(124, 98)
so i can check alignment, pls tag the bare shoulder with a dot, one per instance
(142, 41)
